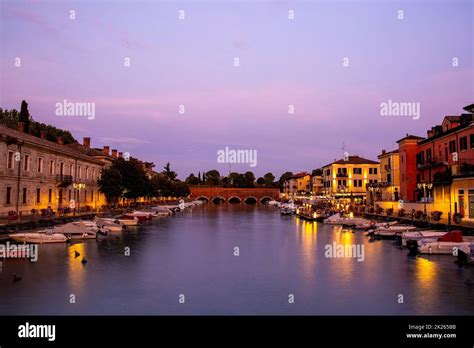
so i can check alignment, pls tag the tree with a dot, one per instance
(192, 180)
(249, 179)
(213, 177)
(261, 181)
(203, 177)
(168, 172)
(317, 172)
(199, 177)
(110, 183)
(25, 116)
(269, 179)
(283, 178)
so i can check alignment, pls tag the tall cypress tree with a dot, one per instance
(24, 116)
(203, 177)
(199, 177)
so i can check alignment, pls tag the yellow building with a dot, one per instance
(303, 183)
(349, 176)
(389, 186)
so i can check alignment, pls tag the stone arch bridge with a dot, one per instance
(234, 195)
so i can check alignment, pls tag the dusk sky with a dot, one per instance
(190, 62)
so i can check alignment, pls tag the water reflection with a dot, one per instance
(76, 270)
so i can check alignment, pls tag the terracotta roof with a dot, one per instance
(453, 118)
(353, 160)
(50, 145)
(409, 136)
(298, 175)
(387, 153)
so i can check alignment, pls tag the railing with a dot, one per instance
(433, 162)
(342, 175)
(464, 167)
(64, 180)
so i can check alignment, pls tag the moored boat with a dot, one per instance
(418, 235)
(448, 244)
(38, 238)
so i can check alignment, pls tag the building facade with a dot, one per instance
(350, 176)
(39, 174)
(389, 186)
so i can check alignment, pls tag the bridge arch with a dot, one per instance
(265, 199)
(234, 199)
(250, 200)
(203, 198)
(218, 200)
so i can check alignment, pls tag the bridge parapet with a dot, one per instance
(225, 193)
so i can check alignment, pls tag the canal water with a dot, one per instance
(187, 264)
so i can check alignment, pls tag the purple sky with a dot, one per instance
(282, 62)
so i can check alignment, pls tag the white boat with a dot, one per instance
(391, 231)
(84, 229)
(338, 219)
(113, 225)
(38, 238)
(273, 203)
(373, 225)
(418, 235)
(428, 246)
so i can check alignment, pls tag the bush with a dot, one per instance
(379, 210)
(389, 211)
(401, 212)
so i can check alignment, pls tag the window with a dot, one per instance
(23, 196)
(92, 195)
(26, 164)
(357, 171)
(50, 195)
(372, 170)
(471, 140)
(9, 196)
(10, 160)
(51, 167)
(87, 173)
(61, 168)
(85, 195)
(39, 166)
(463, 144)
(389, 177)
(79, 172)
(38, 195)
(428, 155)
(358, 183)
(452, 146)
(71, 170)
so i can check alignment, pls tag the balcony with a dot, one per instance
(432, 162)
(342, 175)
(464, 168)
(443, 178)
(63, 180)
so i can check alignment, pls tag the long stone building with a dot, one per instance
(37, 174)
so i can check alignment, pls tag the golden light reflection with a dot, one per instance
(425, 271)
(306, 233)
(75, 267)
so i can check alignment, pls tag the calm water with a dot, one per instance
(193, 254)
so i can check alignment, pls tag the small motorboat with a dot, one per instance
(466, 255)
(390, 232)
(448, 244)
(113, 225)
(373, 225)
(126, 221)
(419, 235)
(141, 216)
(38, 238)
(338, 219)
(84, 229)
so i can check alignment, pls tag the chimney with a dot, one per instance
(86, 142)
(60, 140)
(114, 153)
(430, 133)
(106, 150)
(43, 134)
(383, 152)
(21, 127)
(120, 154)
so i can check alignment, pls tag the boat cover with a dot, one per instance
(453, 236)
